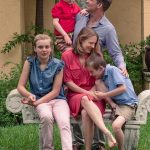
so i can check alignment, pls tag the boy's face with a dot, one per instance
(98, 74)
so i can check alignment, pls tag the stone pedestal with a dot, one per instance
(146, 75)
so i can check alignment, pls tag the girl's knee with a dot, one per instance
(46, 118)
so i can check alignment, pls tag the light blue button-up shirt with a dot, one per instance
(107, 37)
(41, 82)
(112, 79)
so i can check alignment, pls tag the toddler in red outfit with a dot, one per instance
(64, 13)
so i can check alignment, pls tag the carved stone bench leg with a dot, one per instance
(131, 136)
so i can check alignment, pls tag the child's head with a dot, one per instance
(87, 42)
(43, 45)
(95, 64)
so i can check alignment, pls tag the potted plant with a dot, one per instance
(146, 72)
(147, 53)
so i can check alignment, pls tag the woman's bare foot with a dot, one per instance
(111, 140)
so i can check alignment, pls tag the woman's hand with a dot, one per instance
(91, 93)
(100, 95)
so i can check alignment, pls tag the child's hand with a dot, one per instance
(83, 12)
(113, 105)
(67, 39)
(30, 100)
(100, 95)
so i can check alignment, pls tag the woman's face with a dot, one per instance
(89, 44)
(43, 49)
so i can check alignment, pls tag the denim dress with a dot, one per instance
(41, 81)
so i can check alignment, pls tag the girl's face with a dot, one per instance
(43, 49)
(89, 44)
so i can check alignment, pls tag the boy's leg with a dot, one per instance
(117, 128)
(124, 114)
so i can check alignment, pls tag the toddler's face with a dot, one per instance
(69, 1)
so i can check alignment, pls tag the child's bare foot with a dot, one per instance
(111, 140)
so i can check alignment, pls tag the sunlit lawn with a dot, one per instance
(25, 137)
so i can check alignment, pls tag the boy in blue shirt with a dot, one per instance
(117, 90)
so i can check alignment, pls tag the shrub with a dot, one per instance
(7, 83)
(133, 57)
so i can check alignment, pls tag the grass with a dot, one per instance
(25, 137)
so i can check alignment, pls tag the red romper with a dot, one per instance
(74, 72)
(66, 14)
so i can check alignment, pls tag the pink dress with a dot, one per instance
(73, 71)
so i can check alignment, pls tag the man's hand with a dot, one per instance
(124, 71)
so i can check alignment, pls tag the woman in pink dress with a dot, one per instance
(81, 98)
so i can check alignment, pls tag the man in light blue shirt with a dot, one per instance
(97, 20)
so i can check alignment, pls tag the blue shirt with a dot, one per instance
(112, 79)
(41, 82)
(107, 37)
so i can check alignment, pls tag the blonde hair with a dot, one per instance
(85, 34)
(43, 37)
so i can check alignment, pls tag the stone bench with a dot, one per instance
(132, 132)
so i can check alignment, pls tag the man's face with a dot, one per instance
(92, 5)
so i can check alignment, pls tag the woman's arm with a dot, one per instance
(55, 90)
(75, 88)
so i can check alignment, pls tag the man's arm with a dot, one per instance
(115, 51)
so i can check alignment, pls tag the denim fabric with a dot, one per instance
(41, 82)
(113, 78)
